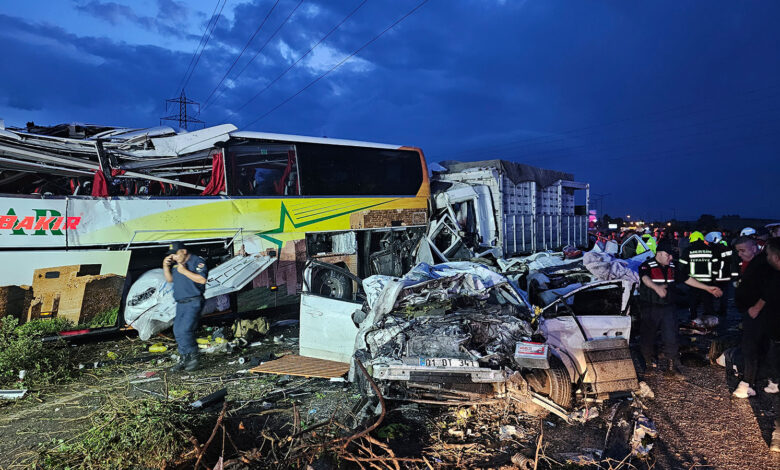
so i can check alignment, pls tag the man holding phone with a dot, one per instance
(188, 273)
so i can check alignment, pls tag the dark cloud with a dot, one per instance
(665, 106)
(173, 9)
(25, 103)
(110, 12)
(84, 79)
(171, 18)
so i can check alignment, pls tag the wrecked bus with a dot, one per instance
(88, 212)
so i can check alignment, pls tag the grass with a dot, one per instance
(123, 433)
(21, 349)
(107, 318)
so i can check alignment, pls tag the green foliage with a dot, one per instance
(21, 349)
(125, 434)
(107, 318)
(392, 431)
(44, 327)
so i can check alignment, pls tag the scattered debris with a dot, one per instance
(703, 325)
(523, 462)
(585, 414)
(12, 394)
(141, 381)
(585, 457)
(210, 399)
(506, 432)
(303, 366)
(642, 438)
(645, 391)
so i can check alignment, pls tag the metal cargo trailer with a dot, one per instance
(534, 208)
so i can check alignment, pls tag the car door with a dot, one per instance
(594, 311)
(327, 330)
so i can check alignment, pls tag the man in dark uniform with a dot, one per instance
(756, 298)
(657, 297)
(770, 292)
(188, 274)
(697, 261)
(721, 272)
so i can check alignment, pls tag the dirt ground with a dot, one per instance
(699, 424)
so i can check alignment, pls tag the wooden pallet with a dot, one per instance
(304, 367)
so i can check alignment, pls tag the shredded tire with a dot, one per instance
(553, 383)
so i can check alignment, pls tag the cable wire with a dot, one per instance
(345, 59)
(213, 27)
(195, 52)
(206, 102)
(627, 119)
(269, 39)
(304, 55)
(628, 140)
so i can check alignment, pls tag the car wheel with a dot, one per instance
(330, 283)
(553, 383)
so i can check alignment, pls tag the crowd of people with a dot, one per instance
(715, 267)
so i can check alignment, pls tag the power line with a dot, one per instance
(184, 118)
(599, 155)
(304, 55)
(636, 139)
(213, 27)
(679, 153)
(691, 150)
(564, 148)
(206, 103)
(632, 144)
(195, 52)
(518, 145)
(269, 39)
(626, 119)
(357, 51)
(652, 134)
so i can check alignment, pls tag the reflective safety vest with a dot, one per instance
(699, 261)
(650, 241)
(658, 274)
(722, 256)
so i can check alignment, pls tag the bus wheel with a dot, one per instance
(331, 284)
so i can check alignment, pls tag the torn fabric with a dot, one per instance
(606, 267)
(217, 183)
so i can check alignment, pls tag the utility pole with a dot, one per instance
(598, 200)
(184, 117)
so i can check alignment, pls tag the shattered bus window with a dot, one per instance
(329, 170)
(264, 170)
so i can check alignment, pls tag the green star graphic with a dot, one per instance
(284, 215)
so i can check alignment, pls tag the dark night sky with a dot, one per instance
(668, 107)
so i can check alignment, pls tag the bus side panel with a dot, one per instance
(34, 223)
(118, 221)
(83, 287)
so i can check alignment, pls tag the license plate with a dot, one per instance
(446, 362)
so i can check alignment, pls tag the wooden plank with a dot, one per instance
(303, 366)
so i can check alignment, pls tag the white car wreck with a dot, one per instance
(460, 332)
